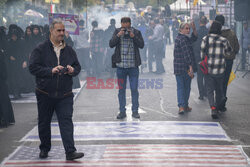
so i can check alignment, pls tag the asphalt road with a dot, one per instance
(158, 103)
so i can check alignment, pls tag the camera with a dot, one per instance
(64, 70)
(126, 32)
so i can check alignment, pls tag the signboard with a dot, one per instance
(71, 22)
(52, 1)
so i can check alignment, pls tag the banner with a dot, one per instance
(71, 22)
(52, 1)
(195, 2)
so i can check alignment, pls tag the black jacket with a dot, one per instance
(43, 59)
(201, 32)
(115, 42)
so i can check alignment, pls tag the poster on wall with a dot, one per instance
(71, 22)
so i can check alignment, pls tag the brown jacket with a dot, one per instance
(233, 41)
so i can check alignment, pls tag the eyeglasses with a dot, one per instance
(187, 28)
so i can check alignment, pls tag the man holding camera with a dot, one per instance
(54, 64)
(127, 41)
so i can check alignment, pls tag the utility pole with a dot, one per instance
(86, 13)
(230, 16)
(113, 4)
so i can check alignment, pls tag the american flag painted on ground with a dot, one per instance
(135, 156)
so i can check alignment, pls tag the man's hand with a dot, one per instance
(190, 72)
(24, 64)
(12, 58)
(70, 69)
(121, 33)
(57, 69)
(192, 25)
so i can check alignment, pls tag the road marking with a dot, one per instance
(134, 156)
(146, 130)
(162, 106)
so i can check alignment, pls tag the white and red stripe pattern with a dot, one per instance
(137, 156)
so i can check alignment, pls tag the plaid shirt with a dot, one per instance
(127, 53)
(96, 41)
(218, 49)
(183, 53)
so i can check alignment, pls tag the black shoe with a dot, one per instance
(223, 109)
(74, 155)
(43, 154)
(201, 98)
(214, 114)
(121, 115)
(135, 115)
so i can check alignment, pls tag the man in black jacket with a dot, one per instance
(127, 41)
(202, 31)
(54, 64)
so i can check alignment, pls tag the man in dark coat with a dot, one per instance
(127, 41)
(201, 32)
(54, 63)
(108, 35)
(234, 43)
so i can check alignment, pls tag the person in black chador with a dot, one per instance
(97, 48)
(28, 47)
(6, 111)
(36, 35)
(15, 61)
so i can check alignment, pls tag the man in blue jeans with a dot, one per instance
(127, 41)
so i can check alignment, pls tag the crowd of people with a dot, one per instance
(91, 45)
(94, 54)
(48, 57)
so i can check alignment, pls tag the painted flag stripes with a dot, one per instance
(141, 156)
(146, 130)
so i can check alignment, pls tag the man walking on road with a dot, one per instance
(201, 32)
(54, 64)
(127, 41)
(233, 41)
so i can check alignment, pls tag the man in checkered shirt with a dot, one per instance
(218, 49)
(127, 41)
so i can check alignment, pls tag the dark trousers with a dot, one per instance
(214, 83)
(64, 111)
(229, 65)
(201, 82)
(84, 58)
(159, 64)
(168, 39)
(243, 58)
(133, 74)
(159, 55)
(97, 63)
(150, 58)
